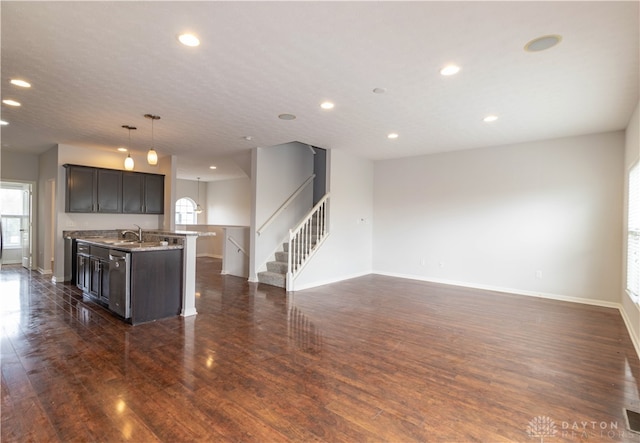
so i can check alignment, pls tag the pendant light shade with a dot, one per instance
(152, 155)
(128, 162)
(198, 207)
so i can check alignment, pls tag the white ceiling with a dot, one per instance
(95, 66)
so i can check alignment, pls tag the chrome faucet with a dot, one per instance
(137, 234)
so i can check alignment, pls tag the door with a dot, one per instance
(15, 201)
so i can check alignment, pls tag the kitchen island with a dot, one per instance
(143, 280)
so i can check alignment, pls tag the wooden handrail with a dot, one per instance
(285, 204)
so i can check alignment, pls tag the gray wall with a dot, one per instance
(630, 309)
(540, 218)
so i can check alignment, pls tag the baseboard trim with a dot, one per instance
(584, 301)
(45, 271)
(297, 287)
(208, 255)
(550, 296)
(627, 323)
(189, 312)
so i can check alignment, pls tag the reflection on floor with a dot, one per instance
(369, 359)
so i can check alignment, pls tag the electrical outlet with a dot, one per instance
(423, 261)
(441, 264)
(539, 275)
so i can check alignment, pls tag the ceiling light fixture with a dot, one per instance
(152, 155)
(122, 149)
(11, 102)
(198, 207)
(327, 105)
(3, 123)
(450, 70)
(490, 118)
(21, 83)
(287, 117)
(188, 39)
(392, 136)
(213, 167)
(128, 162)
(543, 43)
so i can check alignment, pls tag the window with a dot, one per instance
(15, 216)
(633, 234)
(186, 212)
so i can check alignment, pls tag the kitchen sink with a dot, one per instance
(117, 241)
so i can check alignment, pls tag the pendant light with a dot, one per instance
(198, 207)
(128, 162)
(152, 155)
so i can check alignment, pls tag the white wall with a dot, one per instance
(631, 310)
(347, 252)
(277, 173)
(540, 218)
(229, 202)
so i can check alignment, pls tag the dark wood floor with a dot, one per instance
(374, 359)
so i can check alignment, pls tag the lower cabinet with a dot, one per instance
(92, 271)
(156, 285)
(154, 281)
(83, 267)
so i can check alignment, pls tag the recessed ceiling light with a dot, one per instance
(248, 138)
(3, 123)
(379, 90)
(189, 39)
(450, 70)
(21, 83)
(287, 117)
(392, 135)
(122, 149)
(542, 43)
(327, 105)
(490, 118)
(213, 167)
(11, 102)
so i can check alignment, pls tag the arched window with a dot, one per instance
(186, 212)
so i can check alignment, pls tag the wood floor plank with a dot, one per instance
(373, 359)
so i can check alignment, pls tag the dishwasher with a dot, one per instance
(120, 283)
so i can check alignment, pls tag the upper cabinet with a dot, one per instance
(142, 193)
(109, 190)
(82, 187)
(113, 191)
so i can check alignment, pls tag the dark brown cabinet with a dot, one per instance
(156, 285)
(82, 187)
(142, 193)
(109, 193)
(132, 193)
(113, 191)
(83, 268)
(154, 194)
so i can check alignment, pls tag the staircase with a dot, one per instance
(276, 273)
(304, 240)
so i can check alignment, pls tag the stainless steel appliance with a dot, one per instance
(120, 282)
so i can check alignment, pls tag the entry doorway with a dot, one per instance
(16, 229)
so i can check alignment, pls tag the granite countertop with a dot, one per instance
(129, 245)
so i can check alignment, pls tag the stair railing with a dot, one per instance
(285, 205)
(306, 238)
(236, 244)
